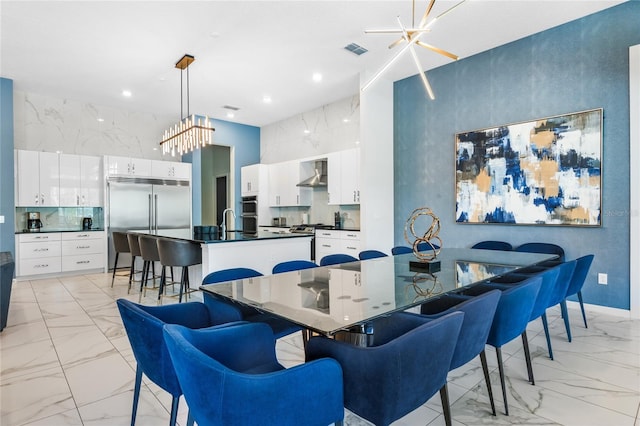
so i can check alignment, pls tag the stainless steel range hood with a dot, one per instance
(319, 177)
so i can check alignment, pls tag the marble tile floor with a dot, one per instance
(65, 360)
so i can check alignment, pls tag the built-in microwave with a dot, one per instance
(249, 216)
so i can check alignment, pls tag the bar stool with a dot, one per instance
(120, 245)
(149, 252)
(179, 253)
(134, 247)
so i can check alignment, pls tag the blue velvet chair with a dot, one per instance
(335, 259)
(371, 254)
(510, 321)
(407, 364)
(542, 248)
(493, 245)
(293, 265)
(143, 325)
(478, 317)
(406, 249)
(575, 287)
(230, 376)
(240, 312)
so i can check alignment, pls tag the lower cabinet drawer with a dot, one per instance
(39, 250)
(82, 261)
(44, 265)
(75, 247)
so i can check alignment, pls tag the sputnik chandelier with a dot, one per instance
(191, 132)
(411, 36)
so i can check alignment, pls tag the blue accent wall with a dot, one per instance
(245, 143)
(581, 65)
(7, 199)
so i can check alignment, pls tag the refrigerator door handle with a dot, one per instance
(150, 210)
(155, 212)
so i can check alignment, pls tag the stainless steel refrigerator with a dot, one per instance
(152, 205)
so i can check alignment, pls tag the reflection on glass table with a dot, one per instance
(337, 297)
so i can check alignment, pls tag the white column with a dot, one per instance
(634, 178)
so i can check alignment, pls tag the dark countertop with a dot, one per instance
(52, 230)
(232, 236)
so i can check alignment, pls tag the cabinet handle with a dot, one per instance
(351, 235)
(41, 249)
(83, 235)
(351, 248)
(354, 196)
(326, 245)
(83, 247)
(37, 200)
(42, 238)
(328, 197)
(83, 201)
(358, 196)
(43, 265)
(297, 199)
(42, 197)
(82, 261)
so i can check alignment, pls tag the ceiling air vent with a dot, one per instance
(232, 108)
(356, 48)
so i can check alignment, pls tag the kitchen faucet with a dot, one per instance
(223, 225)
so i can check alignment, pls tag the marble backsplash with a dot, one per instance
(61, 218)
(330, 128)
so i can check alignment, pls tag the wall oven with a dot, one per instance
(249, 216)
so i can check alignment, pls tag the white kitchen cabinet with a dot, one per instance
(82, 250)
(70, 179)
(127, 166)
(170, 169)
(252, 178)
(38, 179)
(343, 171)
(337, 241)
(91, 181)
(283, 192)
(38, 254)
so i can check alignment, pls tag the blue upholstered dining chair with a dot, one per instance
(406, 249)
(293, 265)
(510, 321)
(143, 325)
(230, 376)
(407, 364)
(239, 312)
(575, 287)
(371, 254)
(478, 317)
(542, 248)
(335, 259)
(493, 245)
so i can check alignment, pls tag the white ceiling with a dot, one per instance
(92, 50)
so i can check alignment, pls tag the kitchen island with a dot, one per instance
(261, 252)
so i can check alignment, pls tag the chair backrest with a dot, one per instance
(149, 247)
(143, 325)
(293, 265)
(580, 274)
(565, 273)
(401, 250)
(178, 253)
(371, 254)
(334, 259)
(478, 317)
(230, 275)
(514, 311)
(134, 245)
(120, 242)
(493, 245)
(231, 375)
(542, 248)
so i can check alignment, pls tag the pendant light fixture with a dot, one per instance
(191, 132)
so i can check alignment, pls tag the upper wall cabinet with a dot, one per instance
(80, 181)
(253, 177)
(37, 179)
(127, 166)
(283, 192)
(343, 174)
(170, 169)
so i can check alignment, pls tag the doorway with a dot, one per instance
(221, 197)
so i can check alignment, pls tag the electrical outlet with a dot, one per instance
(2, 219)
(602, 279)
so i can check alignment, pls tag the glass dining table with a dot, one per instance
(335, 298)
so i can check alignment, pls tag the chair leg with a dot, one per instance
(446, 407)
(565, 315)
(584, 317)
(527, 356)
(136, 394)
(143, 279)
(182, 284)
(115, 267)
(502, 383)
(545, 324)
(189, 419)
(487, 380)
(174, 410)
(131, 272)
(163, 278)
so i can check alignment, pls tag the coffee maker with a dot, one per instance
(33, 222)
(87, 223)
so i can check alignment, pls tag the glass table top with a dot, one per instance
(333, 298)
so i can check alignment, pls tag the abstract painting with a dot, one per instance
(542, 172)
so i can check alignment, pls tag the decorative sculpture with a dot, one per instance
(426, 258)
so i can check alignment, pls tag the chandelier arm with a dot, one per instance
(389, 63)
(423, 76)
(423, 21)
(437, 50)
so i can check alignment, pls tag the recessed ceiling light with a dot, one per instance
(230, 114)
(345, 120)
(317, 77)
(126, 93)
(307, 131)
(100, 120)
(266, 99)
